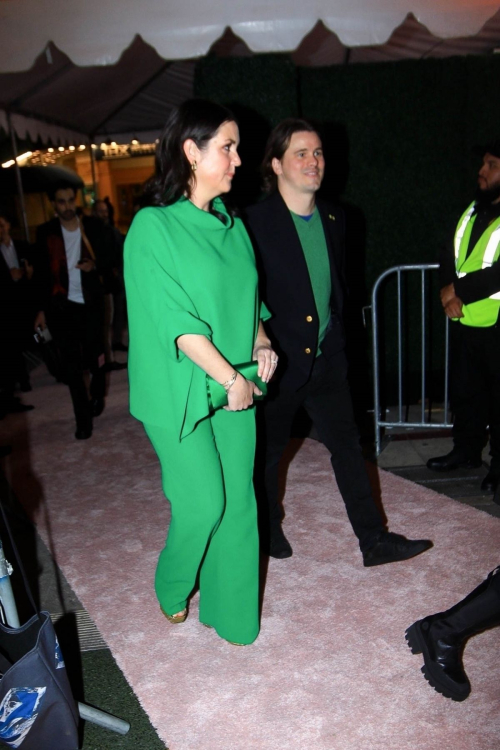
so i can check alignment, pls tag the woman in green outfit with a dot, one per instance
(194, 311)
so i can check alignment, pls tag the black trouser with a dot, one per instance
(77, 331)
(13, 365)
(327, 400)
(495, 581)
(475, 390)
(16, 336)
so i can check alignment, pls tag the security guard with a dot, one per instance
(470, 295)
(299, 243)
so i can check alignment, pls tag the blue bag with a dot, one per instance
(37, 708)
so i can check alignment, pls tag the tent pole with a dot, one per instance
(92, 164)
(19, 180)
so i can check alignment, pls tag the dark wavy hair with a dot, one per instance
(197, 119)
(60, 185)
(6, 215)
(277, 144)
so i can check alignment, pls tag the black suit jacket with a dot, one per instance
(49, 239)
(286, 287)
(17, 298)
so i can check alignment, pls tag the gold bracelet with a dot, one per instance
(227, 385)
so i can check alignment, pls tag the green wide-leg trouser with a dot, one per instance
(213, 530)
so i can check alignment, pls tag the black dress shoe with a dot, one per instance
(83, 433)
(119, 347)
(390, 547)
(97, 407)
(453, 460)
(490, 482)
(496, 496)
(278, 545)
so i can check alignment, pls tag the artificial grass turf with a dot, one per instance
(106, 688)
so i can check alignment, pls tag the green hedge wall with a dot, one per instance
(404, 132)
(410, 128)
(261, 91)
(399, 139)
(266, 84)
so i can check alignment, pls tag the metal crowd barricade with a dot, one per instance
(380, 422)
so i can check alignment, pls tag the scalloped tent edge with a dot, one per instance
(133, 95)
(97, 32)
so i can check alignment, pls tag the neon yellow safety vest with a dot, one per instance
(486, 251)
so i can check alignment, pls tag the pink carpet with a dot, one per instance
(331, 669)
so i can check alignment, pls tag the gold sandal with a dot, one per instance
(233, 643)
(175, 619)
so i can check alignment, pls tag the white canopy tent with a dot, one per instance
(97, 32)
(73, 71)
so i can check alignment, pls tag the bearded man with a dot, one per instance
(71, 301)
(470, 295)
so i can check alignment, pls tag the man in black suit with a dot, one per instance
(72, 301)
(299, 243)
(16, 316)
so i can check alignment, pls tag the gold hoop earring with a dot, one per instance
(194, 166)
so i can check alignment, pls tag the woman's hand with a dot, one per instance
(267, 359)
(264, 354)
(240, 394)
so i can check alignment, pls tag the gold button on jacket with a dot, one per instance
(309, 318)
(307, 350)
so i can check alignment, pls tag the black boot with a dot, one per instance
(279, 546)
(442, 636)
(496, 496)
(455, 460)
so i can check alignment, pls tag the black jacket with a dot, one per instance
(286, 287)
(50, 245)
(17, 298)
(15, 292)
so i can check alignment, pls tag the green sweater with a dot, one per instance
(313, 241)
(185, 272)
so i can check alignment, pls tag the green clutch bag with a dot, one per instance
(217, 395)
